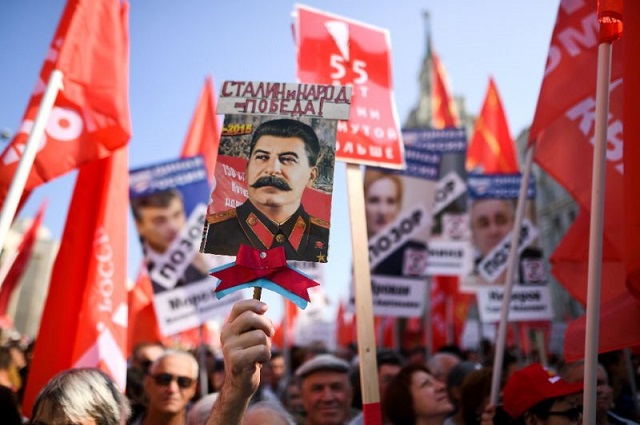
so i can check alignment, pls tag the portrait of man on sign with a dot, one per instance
(279, 195)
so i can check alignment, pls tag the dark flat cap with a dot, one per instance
(322, 362)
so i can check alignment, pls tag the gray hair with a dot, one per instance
(77, 394)
(177, 353)
(270, 406)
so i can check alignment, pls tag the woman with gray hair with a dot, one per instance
(81, 396)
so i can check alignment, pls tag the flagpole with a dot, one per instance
(508, 284)
(595, 233)
(29, 154)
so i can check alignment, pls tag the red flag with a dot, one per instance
(344, 332)
(21, 261)
(444, 111)
(632, 147)
(90, 118)
(563, 132)
(143, 323)
(84, 322)
(286, 326)
(204, 134)
(491, 148)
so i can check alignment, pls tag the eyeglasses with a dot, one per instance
(165, 379)
(572, 414)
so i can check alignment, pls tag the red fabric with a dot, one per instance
(252, 264)
(570, 265)
(563, 132)
(90, 118)
(143, 323)
(286, 325)
(632, 149)
(343, 327)
(84, 322)
(444, 111)
(491, 147)
(204, 133)
(619, 319)
(21, 261)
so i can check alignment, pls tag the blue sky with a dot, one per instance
(175, 45)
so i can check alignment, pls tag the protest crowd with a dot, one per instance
(312, 385)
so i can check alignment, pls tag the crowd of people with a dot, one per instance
(249, 383)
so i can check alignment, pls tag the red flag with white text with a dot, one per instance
(563, 131)
(20, 261)
(90, 118)
(491, 149)
(620, 315)
(444, 111)
(84, 322)
(339, 51)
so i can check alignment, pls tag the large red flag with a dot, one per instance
(21, 261)
(84, 322)
(90, 118)
(143, 323)
(204, 134)
(620, 316)
(491, 149)
(563, 132)
(444, 111)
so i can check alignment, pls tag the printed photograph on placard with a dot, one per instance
(272, 187)
(492, 205)
(168, 202)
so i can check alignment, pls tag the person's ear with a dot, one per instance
(312, 176)
(530, 419)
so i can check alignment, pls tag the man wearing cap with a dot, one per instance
(535, 395)
(326, 390)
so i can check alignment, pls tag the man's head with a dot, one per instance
(491, 220)
(81, 396)
(389, 365)
(159, 218)
(441, 363)
(282, 163)
(326, 390)
(574, 372)
(145, 353)
(171, 382)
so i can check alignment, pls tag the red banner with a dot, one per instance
(445, 113)
(339, 51)
(90, 118)
(491, 149)
(204, 132)
(21, 261)
(563, 128)
(84, 323)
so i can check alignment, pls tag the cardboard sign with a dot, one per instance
(527, 303)
(340, 51)
(168, 201)
(274, 173)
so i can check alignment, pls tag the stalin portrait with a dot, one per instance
(282, 163)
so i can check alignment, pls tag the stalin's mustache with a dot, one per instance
(273, 181)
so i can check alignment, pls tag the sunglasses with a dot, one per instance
(165, 379)
(572, 414)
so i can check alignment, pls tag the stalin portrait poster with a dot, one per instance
(274, 174)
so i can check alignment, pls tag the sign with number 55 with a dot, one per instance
(339, 51)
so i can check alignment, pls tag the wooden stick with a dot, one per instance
(257, 293)
(364, 308)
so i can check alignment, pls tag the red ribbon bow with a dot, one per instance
(252, 264)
